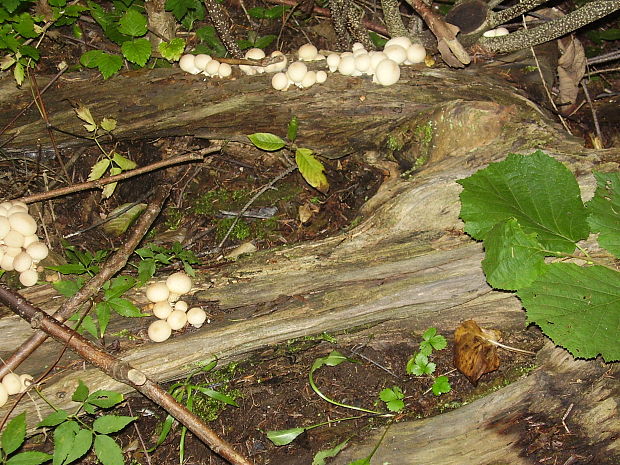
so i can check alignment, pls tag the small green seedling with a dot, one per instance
(309, 166)
(393, 398)
(152, 256)
(112, 161)
(420, 364)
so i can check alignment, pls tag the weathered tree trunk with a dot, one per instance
(407, 263)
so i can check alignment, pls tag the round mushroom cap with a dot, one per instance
(321, 77)
(159, 331)
(212, 67)
(404, 42)
(188, 64)
(177, 319)
(346, 66)
(307, 52)
(179, 283)
(333, 59)
(279, 66)
(37, 250)
(162, 309)
(7, 262)
(12, 383)
(416, 53)
(201, 60)
(387, 72)
(396, 53)
(196, 316)
(279, 81)
(14, 239)
(225, 70)
(362, 62)
(255, 54)
(181, 305)
(297, 71)
(29, 277)
(309, 80)
(157, 292)
(357, 46)
(22, 262)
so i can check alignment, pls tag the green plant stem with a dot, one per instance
(337, 420)
(331, 401)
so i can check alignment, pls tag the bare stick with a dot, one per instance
(112, 266)
(121, 371)
(119, 177)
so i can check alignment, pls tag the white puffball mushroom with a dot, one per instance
(26, 381)
(17, 209)
(297, 71)
(5, 226)
(179, 283)
(280, 65)
(177, 319)
(4, 396)
(6, 205)
(333, 59)
(321, 77)
(7, 262)
(201, 60)
(20, 204)
(31, 239)
(357, 46)
(162, 310)
(387, 72)
(501, 31)
(416, 53)
(12, 251)
(309, 80)
(14, 239)
(181, 305)
(255, 54)
(396, 53)
(159, 331)
(22, 262)
(212, 67)
(29, 277)
(279, 81)
(196, 317)
(248, 70)
(404, 42)
(362, 63)
(376, 58)
(224, 70)
(37, 250)
(307, 52)
(346, 66)
(157, 292)
(12, 383)
(188, 64)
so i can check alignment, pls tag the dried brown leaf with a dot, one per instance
(474, 355)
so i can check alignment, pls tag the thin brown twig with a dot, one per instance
(119, 370)
(119, 177)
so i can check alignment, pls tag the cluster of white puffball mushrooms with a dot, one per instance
(13, 383)
(20, 248)
(383, 66)
(172, 313)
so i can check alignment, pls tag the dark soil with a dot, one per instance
(273, 393)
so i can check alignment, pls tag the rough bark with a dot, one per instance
(405, 264)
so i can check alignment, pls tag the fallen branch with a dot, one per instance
(119, 370)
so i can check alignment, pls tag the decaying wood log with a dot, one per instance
(406, 261)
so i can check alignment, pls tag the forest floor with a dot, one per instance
(271, 387)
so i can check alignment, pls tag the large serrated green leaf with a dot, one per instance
(536, 190)
(513, 258)
(82, 444)
(109, 64)
(133, 23)
(311, 169)
(119, 224)
(578, 308)
(604, 211)
(108, 451)
(137, 51)
(106, 424)
(14, 434)
(172, 50)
